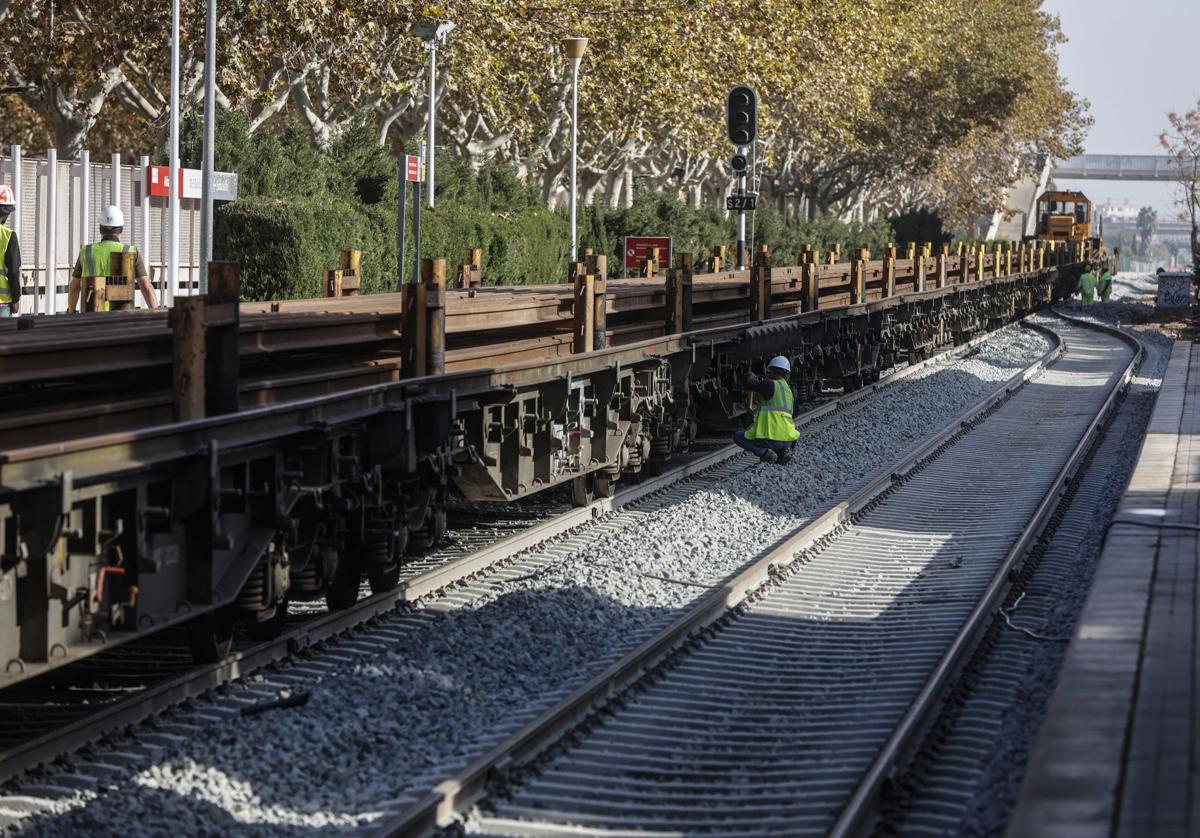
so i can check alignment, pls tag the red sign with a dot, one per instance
(637, 248)
(191, 184)
(412, 167)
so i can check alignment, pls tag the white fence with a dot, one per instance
(58, 206)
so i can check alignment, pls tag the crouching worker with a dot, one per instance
(772, 433)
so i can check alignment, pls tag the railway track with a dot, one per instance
(785, 699)
(435, 574)
(72, 706)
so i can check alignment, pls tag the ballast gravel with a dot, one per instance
(412, 699)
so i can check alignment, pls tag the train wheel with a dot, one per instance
(341, 588)
(583, 490)
(271, 627)
(606, 486)
(383, 575)
(434, 531)
(212, 635)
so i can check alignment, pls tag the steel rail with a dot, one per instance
(202, 678)
(904, 739)
(456, 795)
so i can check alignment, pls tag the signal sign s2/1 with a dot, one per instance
(738, 203)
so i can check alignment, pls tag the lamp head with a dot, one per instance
(432, 31)
(574, 47)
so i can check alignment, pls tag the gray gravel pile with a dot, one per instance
(411, 700)
(967, 779)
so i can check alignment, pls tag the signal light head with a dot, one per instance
(738, 163)
(741, 116)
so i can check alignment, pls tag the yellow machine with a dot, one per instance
(1063, 217)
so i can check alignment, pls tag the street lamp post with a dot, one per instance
(431, 34)
(173, 170)
(210, 91)
(574, 48)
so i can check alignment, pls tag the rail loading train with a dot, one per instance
(1064, 217)
(111, 534)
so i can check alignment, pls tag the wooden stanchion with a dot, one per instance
(760, 284)
(811, 297)
(858, 276)
(679, 295)
(889, 270)
(206, 344)
(469, 274)
(583, 307)
(433, 276)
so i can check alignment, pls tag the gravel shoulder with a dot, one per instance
(411, 699)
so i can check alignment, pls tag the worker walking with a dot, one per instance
(1087, 288)
(772, 434)
(10, 256)
(1105, 284)
(94, 259)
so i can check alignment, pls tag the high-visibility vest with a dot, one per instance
(95, 259)
(1087, 284)
(773, 420)
(5, 292)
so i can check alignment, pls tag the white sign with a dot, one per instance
(1174, 290)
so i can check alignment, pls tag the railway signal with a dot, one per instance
(741, 125)
(741, 115)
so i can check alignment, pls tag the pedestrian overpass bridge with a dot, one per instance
(1117, 167)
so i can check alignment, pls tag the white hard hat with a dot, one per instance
(7, 198)
(112, 216)
(779, 363)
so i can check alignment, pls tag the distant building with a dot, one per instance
(1119, 215)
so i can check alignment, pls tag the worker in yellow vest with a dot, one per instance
(94, 259)
(10, 256)
(1087, 288)
(773, 433)
(1105, 284)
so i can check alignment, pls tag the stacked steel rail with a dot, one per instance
(211, 465)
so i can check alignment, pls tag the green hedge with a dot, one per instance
(302, 205)
(284, 245)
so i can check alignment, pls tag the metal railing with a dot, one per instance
(58, 206)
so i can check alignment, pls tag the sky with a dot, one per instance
(1134, 61)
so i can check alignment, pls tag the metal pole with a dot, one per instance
(115, 164)
(432, 47)
(400, 223)
(144, 164)
(741, 243)
(574, 151)
(173, 171)
(85, 197)
(753, 188)
(417, 226)
(85, 210)
(210, 95)
(18, 164)
(51, 229)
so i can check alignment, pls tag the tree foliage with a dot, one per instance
(892, 104)
(1182, 142)
(1147, 227)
